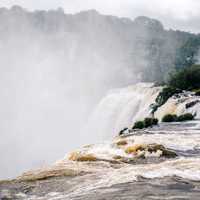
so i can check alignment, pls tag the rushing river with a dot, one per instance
(124, 167)
(173, 178)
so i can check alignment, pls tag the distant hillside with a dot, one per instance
(127, 50)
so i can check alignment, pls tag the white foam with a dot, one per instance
(187, 168)
(121, 108)
(177, 141)
(177, 106)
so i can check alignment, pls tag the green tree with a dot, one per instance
(186, 55)
(186, 79)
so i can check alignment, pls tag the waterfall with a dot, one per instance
(178, 105)
(120, 108)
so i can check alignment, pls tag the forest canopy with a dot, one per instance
(186, 79)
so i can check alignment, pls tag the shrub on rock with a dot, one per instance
(197, 93)
(169, 118)
(139, 125)
(148, 122)
(185, 117)
(155, 121)
(165, 94)
(175, 118)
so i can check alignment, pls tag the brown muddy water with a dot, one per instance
(115, 174)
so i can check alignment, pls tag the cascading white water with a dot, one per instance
(121, 108)
(178, 105)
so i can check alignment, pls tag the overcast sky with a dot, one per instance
(176, 14)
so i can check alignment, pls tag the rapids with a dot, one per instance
(104, 169)
(106, 179)
(177, 105)
(120, 108)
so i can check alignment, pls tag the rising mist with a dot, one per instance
(55, 68)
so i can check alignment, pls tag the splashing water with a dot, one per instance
(121, 108)
(178, 106)
(105, 176)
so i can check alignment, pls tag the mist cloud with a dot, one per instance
(179, 14)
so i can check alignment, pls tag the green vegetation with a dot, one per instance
(175, 118)
(186, 55)
(169, 118)
(139, 125)
(154, 121)
(163, 96)
(196, 91)
(147, 122)
(185, 117)
(186, 79)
